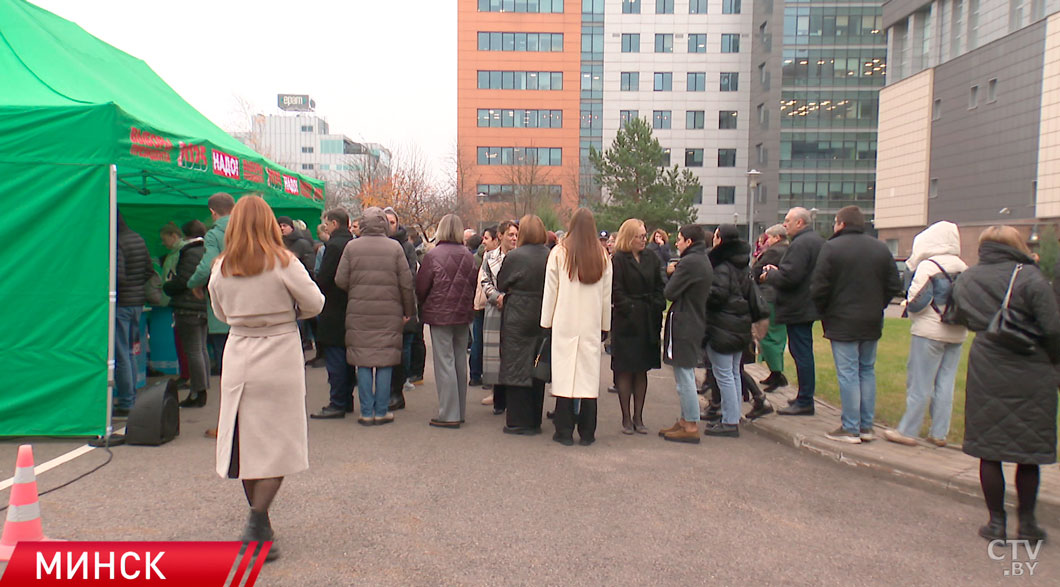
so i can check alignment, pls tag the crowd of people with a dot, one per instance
(520, 307)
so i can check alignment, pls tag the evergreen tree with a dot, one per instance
(639, 186)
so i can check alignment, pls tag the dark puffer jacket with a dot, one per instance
(181, 297)
(331, 323)
(522, 279)
(302, 249)
(133, 266)
(728, 309)
(792, 279)
(854, 280)
(636, 322)
(375, 274)
(445, 285)
(1011, 399)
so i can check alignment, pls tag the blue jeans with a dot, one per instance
(685, 379)
(800, 344)
(930, 375)
(341, 377)
(475, 361)
(126, 332)
(855, 367)
(726, 367)
(374, 402)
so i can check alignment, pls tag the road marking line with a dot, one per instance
(59, 460)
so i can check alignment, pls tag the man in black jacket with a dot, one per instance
(331, 323)
(794, 308)
(133, 270)
(413, 345)
(853, 282)
(686, 321)
(301, 246)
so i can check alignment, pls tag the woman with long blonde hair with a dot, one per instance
(576, 305)
(257, 290)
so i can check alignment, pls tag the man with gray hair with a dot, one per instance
(794, 306)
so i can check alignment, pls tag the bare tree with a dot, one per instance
(408, 185)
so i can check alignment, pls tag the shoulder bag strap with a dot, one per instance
(1011, 281)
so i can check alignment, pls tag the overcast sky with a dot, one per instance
(379, 71)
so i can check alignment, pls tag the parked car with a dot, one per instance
(905, 273)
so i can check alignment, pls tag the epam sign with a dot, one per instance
(295, 102)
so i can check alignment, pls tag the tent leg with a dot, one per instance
(113, 294)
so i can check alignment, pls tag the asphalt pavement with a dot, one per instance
(407, 504)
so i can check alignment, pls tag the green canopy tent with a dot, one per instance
(85, 129)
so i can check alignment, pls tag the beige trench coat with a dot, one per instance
(264, 375)
(576, 313)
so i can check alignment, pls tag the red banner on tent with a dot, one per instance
(253, 172)
(290, 184)
(196, 564)
(225, 165)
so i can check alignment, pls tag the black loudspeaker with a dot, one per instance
(155, 417)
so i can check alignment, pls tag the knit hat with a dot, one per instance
(285, 220)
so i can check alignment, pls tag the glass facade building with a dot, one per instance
(833, 64)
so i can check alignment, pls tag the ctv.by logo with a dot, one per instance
(1011, 550)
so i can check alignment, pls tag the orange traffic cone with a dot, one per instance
(23, 513)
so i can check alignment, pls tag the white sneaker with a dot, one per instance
(841, 435)
(867, 435)
(409, 386)
(488, 400)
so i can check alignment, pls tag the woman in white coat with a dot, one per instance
(577, 307)
(260, 289)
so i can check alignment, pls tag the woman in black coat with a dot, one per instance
(728, 322)
(522, 281)
(1011, 396)
(189, 320)
(637, 297)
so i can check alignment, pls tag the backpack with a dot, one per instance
(948, 314)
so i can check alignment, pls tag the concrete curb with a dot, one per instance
(958, 478)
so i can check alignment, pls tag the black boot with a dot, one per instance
(195, 400)
(995, 529)
(564, 421)
(778, 381)
(1029, 528)
(769, 380)
(760, 409)
(259, 529)
(587, 422)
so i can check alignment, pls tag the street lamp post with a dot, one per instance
(752, 193)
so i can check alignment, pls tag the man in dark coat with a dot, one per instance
(412, 337)
(331, 323)
(133, 270)
(794, 308)
(297, 243)
(688, 289)
(854, 280)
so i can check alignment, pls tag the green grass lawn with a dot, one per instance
(891, 357)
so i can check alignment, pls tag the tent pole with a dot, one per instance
(112, 294)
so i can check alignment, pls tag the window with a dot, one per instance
(697, 43)
(664, 6)
(727, 119)
(631, 42)
(307, 167)
(508, 118)
(629, 6)
(730, 7)
(664, 43)
(763, 116)
(664, 81)
(973, 97)
(307, 149)
(506, 192)
(761, 154)
(520, 80)
(665, 160)
(529, 6)
(697, 195)
(630, 81)
(991, 91)
(726, 157)
(694, 119)
(697, 81)
(933, 188)
(936, 109)
(308, 128)
(730, 81)
(730, 43)
(693, 157)
(543, 156)
(726, 194)
(763, 76)
(624, 116)
(489, 41)
(660, 119)
(697, 7)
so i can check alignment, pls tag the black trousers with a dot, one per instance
(500, 397)
(524, 405)
(419, 354)
(565, 419)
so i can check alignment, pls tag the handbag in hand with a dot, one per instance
(1011, 328)
(543, 360)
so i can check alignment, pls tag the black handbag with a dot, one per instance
(1011, 328)
(543, 360)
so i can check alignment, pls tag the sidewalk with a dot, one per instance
(945, 469)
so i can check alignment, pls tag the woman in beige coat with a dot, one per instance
(577, 307)
(259, 289)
